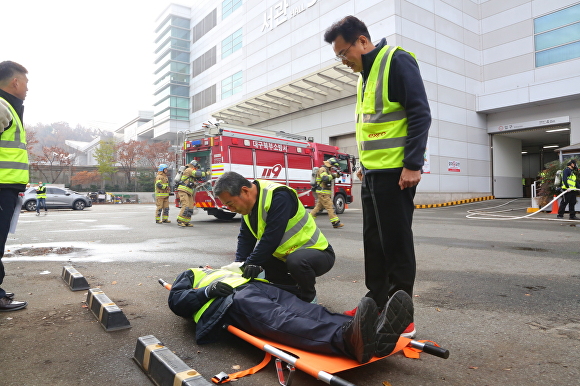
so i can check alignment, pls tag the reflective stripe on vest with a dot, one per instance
(571, 181)
(13, 154)
(41, 192)
(205, 276)
(381, 125)
(301, 231)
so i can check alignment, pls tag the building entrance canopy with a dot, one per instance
(326, 85)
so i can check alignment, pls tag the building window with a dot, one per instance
(204, 62)
(232, 43)
(203, 99)
(204, 26)
(557, 36)
(229, 6)
(232, 85)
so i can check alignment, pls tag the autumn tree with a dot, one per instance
(86, 178)
(128, 155)
(56, 159)
(155, 154)
(106, 157)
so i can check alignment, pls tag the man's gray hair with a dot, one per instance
(231, 183)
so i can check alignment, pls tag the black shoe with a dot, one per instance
(397, 315)
(573, 218)
(7, 304)
(360, 332)
(559, 216)
(10, 295)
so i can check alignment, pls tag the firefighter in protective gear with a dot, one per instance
(190, 179)
(326, 174)
(162, 190)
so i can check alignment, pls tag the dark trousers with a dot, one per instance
(300, 269)
(569, 198)
(8, 198)
(389, 253)
(264, 310)
(41, 202)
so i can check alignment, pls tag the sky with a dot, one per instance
(88, 62)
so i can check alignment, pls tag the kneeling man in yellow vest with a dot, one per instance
(277, 235)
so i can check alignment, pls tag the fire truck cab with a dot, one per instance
(263, 154)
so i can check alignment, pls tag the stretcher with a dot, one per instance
(320, 366)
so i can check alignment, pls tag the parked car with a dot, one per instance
(56, 198)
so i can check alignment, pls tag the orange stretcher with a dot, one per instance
(320, 366)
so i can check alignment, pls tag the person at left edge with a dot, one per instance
(162, 195)
(13, 159)
(41, 198)
(277, 235)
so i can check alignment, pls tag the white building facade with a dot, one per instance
(502, 78)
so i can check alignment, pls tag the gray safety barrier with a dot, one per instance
(74, 279)
(162, 366)
(108, 313)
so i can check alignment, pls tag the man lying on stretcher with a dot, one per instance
(214, 297)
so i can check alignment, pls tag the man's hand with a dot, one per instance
(218, 289)
(5, 114)
(409, 178)
(251, 271)
(359, 174)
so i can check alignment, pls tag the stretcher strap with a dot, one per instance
(243, 373)
(412, 352)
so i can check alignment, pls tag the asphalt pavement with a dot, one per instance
(501, 294)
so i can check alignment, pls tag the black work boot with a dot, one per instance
(396, 316)
(360, 332)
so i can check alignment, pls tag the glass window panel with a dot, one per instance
(180, 22)
(558, 37)
(179, 102)
(180, 90)
(229, 6)
(232, 43)
(558, 54)
(179, 33)
(557, 19)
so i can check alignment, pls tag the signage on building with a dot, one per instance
(279, 13)
(453, 166)
(526, 125)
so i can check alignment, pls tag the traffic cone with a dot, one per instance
(554, 207)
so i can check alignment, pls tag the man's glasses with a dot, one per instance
(341, 57)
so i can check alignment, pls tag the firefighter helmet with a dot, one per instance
(333, 161)
(162, 167)
(194, 164)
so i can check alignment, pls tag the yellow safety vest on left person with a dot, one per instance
(41, 192)
(301, 230)
(381, 125)
(13, 154)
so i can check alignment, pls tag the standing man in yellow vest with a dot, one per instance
(13, 159)
(277, 235)
(392, 125)
(569, 186)
(162, 195)
(41, 198)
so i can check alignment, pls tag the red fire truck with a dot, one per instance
(256, 153)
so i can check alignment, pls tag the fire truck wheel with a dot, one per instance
(224, 215)
(339, 203)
